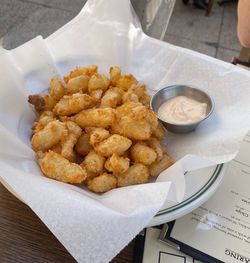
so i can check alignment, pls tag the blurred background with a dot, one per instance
(170, 20)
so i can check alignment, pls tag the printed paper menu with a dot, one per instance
(221, 227)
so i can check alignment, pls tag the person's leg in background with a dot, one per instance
(243, 30)
(244, 23)
(201, 4)
(222, 2)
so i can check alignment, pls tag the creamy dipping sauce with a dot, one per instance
(182, 110)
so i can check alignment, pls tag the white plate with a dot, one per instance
(200, 185)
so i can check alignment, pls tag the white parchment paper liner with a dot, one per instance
(94, 228)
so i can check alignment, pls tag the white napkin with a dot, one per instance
(94, 228)
(106, 33)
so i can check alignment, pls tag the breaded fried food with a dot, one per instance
(134, 93)
(83, 146)
(90, 176)
(102, 118)
(117, 164)
(142, 153)
(145, 100)
(98, 82)
(50, 135)
(111, 98)
(77, 84)
(103, 123)
(97, 135)
(44, 119)
(159, 132)
(129, 96)
(156, 146)
(68, 143)
(133, 129)
(141, 95)
(152, 119)
(71, 104)
(93, 162)
(78, 71)
(157, 167)
(55, 166)
(48, 101)
(37, 101)
(115, 74)
(136, 174)
(126, 81)
(97, 94)
(132, 121)
(102, 183)
(132, 110)
(138, 89)
(56, 89)
(42, 103)
(57, 148)
(114, 144)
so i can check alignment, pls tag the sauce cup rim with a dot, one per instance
(194, 123)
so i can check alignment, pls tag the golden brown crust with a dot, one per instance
(136, 174)
(72, 104)
(115, 74)
(103, 183)
(126, 81)
(159, 132)
(117, 164)
(135, 130)
(78, 71)
(56, 89)
(97, 135)
(111, 98)
(77, 84)
(102, 118)
(96, 94)
(104, 124)
(83, 146)
(44, 119)
(134, 121)
(37, 101)
(159, 166)
(68, 143)
(93, 162)
(49, 136)
(156, 146)
(98, 82)
(142, 153)
(114, 144)
(57, 167)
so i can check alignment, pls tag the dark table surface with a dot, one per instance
(24, 237)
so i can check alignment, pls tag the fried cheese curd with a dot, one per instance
(97, 130)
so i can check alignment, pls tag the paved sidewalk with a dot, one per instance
(214, 35)
(21, 20)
